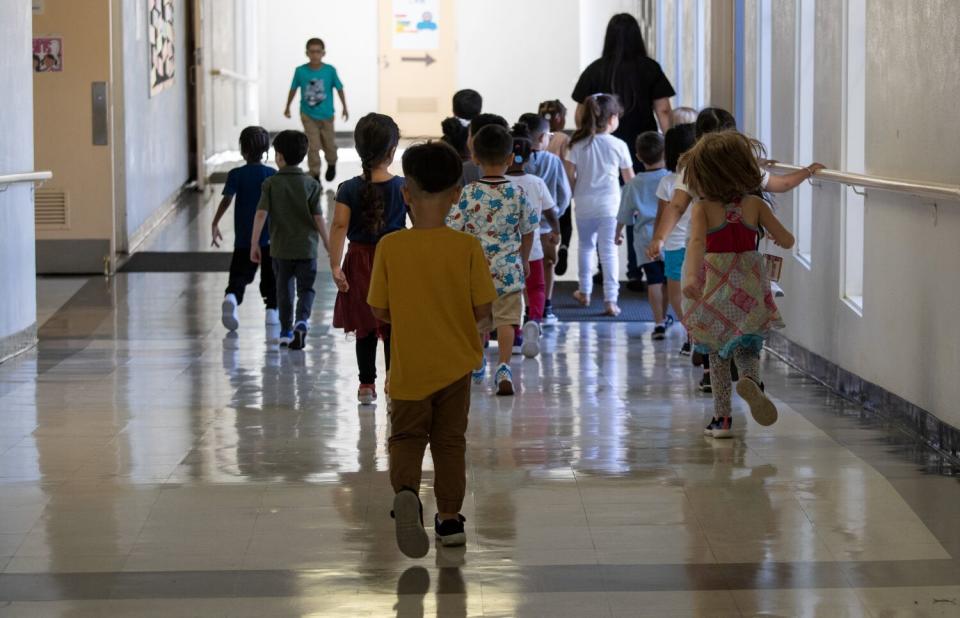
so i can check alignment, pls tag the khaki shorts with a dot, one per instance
(507, 311)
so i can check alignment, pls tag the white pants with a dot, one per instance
(599, 234)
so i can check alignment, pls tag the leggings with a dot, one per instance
(748, 363)
(536, 291)
(367, 357)
(598, 234)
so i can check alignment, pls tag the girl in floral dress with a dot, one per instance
(728, 306)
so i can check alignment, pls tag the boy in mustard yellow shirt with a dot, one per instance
(433, 285)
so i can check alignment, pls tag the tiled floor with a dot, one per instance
(152, 466)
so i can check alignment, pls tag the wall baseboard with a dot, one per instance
(154, 220)
(916, 421)
(18, 342)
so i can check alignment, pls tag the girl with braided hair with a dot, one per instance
(368, 207)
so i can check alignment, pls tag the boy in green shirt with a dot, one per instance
(292, 200)
(316, 82)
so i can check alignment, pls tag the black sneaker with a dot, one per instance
(698, 359)
(331, 172)
(299, 338)
(685, 349)
(408, 515)
(734, 372)
(704, 385)
(561, 267)
(708, 430)
(450, 532)
(659, 333)
(723, 428)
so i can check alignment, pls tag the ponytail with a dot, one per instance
(597, 112)
(522, 144)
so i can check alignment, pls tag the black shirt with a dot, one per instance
(638, 85)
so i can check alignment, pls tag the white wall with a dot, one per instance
(155, 128)
(350, 32)
(907, 340)
(18, 302)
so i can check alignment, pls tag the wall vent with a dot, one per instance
(50, 209)
(417, 105)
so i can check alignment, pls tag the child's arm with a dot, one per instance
(571, 174)
(526, 244)
(778, 233)
(338, 237)
(258, 221)
(668, 220)
(554, 222)
(696, 246)
(381, 314)
(661, 208)
(343, 102)
(627, 174)
(321, 224)
(290, 95)
(626, 215)
(483, 312)
(215, 228)
(778, 183)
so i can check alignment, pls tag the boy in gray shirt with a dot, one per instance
(292, 200)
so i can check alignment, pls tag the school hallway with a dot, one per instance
(154, 464)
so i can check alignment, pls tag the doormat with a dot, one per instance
(633, 305)
(177, 262)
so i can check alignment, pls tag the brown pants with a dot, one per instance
(441, 421)
(319, 136)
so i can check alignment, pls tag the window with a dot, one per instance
(764, 70)
(854, 149)
(803, 126)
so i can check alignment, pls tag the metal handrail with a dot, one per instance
(922, 189)
(8, 179)
(240, 77)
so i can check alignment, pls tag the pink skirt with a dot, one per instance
(351, 311)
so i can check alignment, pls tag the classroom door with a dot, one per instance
(73, 101)
(417, 63)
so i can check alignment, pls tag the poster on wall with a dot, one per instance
(48, 54)
(160, 41)
(416, 24)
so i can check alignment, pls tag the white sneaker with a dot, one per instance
(272, 317)
(531, 339)
(228, 312)
(777, 290)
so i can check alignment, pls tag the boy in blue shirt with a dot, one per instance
(244, 182)
(316, 82)
(638, 207)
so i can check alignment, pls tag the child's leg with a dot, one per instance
(448, 446)
(748, 362)
(721, 383)
(242, 271)
(312, 128)
(409, 433)
(283, 272)
(610, 258)
(268, 282)
(367, 358)
(655, 297)
(549, 263)
(505, 339)
(536, 291)
(675, 295)
(305, 273)
(328, 141)
(587, 245)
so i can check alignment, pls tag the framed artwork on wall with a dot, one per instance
(160, 42)
(48, 54)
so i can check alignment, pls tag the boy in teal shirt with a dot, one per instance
(316, 82)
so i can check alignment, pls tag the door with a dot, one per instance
(73, 96)
(195, 94)
(417, 63)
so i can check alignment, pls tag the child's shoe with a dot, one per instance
(299, 337)
(228, 312)
(504, 380)
(271, 317)
(704, 385)
(480, 372)
(517, 342)
(550, 318)
(724, 428)
(285, 338)
(331, 172)
(408, 516)
(367, 394)
(531, 339)
(762, 409)
(450, 532)
(562, 255)
(659, 332)
(685, 349)
(713, 424)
